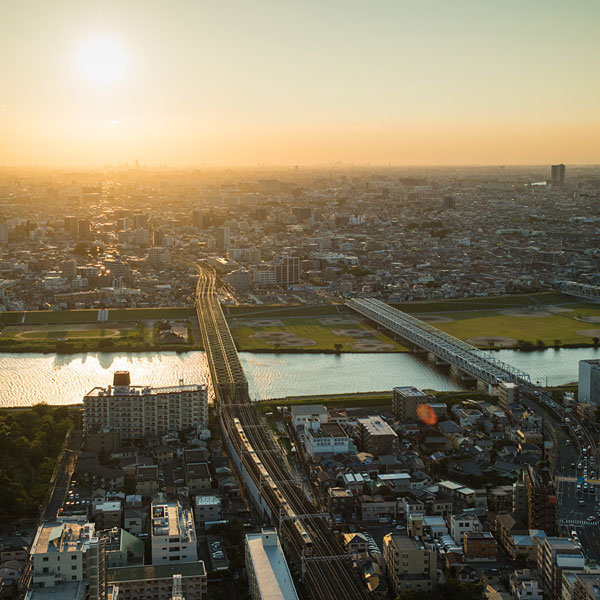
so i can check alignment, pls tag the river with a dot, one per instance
(63, 379)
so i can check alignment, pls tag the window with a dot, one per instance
(73, 567)
(45, 570)
(73, 557)
(45, 559)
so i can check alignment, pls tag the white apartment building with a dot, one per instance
(136, 411)
(309, 416)
(463, 523)
(330, 438)
(173, 534)
(65, 556)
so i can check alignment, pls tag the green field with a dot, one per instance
(269, 310)
(467, 304)
(312, 329)
(560, 327)
(43, 317)
(74, 338)
(373, 399)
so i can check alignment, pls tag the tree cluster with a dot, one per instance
(30, 441)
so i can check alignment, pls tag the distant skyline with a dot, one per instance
(270, 82)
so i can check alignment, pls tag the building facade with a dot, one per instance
(136, 411)
(405, 401)
(173, 534)
(589, 381)
(411, 565)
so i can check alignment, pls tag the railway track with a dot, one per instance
(306, 535)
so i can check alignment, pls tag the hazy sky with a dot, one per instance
(305, 82)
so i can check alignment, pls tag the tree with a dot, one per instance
(338, 347)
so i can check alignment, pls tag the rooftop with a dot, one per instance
(67, 536)
(409, 390)
(271, 569)
(376, 426)
(143, 390)
(308, 409)
(144, 572)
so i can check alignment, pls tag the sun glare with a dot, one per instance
(102, 60)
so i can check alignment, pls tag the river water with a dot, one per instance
(26, 379)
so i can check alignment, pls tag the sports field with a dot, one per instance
(316, 334)
(565, 325)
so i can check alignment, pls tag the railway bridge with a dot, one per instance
(305, 532)
(480, 365)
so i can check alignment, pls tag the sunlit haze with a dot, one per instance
(280, 83)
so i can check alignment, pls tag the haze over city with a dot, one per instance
(238, 83)
(299, 300)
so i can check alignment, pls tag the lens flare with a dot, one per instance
(426, 414)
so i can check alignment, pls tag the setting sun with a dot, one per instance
(101, 60)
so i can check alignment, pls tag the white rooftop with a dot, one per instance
(269, 564)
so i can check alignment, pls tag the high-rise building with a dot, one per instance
(140, 221)
(198, 218)
(136, 411)
(3, 230)
(557, 175)
(158, 257)
(411, 565)
(268, 572)
(405, 401)
(223, 238)
(541, 500)
(287, 271)
(84, 229)
(589, 381)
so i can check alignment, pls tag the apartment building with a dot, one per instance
(269, 577)
(159, 581)
(66, 559)
(173, 534)
(376, 436)
(406, 399)
(137, 411)
(556, 554)
(541, 500)
(411, 565)
(330, 438)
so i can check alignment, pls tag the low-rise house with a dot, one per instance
(207, 508)
(197, 477)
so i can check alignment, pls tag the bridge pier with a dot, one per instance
(436, 360)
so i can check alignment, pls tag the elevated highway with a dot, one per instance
(476, 363)
(306, 534)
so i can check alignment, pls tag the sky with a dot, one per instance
(240, 83)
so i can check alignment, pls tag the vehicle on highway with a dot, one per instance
(581, 502)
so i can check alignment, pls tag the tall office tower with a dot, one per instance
(84, 229)
(287, 272)
(449, 203)
(198, 218)
(140, 220)
(71, 225)
(541, 500)
(223, 238)
(3, 230)
(558, 175)
(136, 411)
